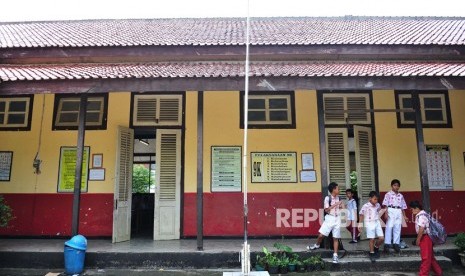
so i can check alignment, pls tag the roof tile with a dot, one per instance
(231, 31)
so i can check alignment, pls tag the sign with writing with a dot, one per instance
(439, 168)
(6, 158)
(274, 167)
(226, 169)
(67, 171)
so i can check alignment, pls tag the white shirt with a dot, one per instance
(334, 200)
(421, 220)
(395, 200)
(370, 212)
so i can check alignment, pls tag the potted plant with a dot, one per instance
(293, 260)
(318, 262)
(309, 264)
(283, 263)
(260, 263)
(271, 260)
(299, 266)
(6, 213)
(460, 243)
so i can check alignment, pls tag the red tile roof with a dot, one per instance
(230, 31)
(11, 73)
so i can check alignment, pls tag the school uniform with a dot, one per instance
(395, 203)
(352, 218)
(428, 261)
(332, 222)
(371, 220)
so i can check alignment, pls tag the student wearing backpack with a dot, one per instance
(332, 223)
(428, 261)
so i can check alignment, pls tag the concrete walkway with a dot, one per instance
(217, 254)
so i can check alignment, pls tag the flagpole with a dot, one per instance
(245, 256)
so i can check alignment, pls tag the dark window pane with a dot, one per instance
(93, 117)
(17, 106)
(70, 106)
(256, 103)
(409, 116)
(16, 119)
(2, 106)
(94, 105)
(278, 103)
(432, 103)
(68, 118)
(406, 102)
(2, 117)
(278, 116)
(257, 116)
(433, 115)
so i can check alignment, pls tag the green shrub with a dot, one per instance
(460, 241)
(6, 214)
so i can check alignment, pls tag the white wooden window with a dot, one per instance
(433, 109)
(14, 112)
(270, 110)
(67, 112)
(345, 108)
(157, 110)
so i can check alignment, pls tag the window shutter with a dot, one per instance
(364, 160)
(338, 157)
(333, 103)
(168, 166)
(157, 110)
(125, 148)
(346, 102)
(358, 103)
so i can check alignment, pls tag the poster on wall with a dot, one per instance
(274, 167)
(67, 170)
(226, 168)
(6, 159)
(439, 167)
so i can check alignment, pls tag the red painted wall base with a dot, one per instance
(51, 215)
(270, 214)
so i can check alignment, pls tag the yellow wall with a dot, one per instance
(397, 148)
(24, 145)
(222, 128)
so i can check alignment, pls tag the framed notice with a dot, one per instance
(6, 159)
(308, 176)
(307, 161)
(439, 167)
(274, 167)
(226, 169)
(67, 170)
(97, 174)
(97, 160)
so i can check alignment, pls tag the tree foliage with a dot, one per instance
(140, 179)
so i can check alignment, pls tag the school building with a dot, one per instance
(329, 98)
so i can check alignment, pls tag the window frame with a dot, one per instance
(102, 125)
(346, 95)
(290, 97)
(443, 95)
(28, 112)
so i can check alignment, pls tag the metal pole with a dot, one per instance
(79, 158)
(245, 260)
(421, 152)
(200, 171)
(322, 138)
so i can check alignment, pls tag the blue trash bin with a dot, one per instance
(75, 252)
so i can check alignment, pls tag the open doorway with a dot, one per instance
(143, 188)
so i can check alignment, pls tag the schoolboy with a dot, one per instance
(332, 222)
(394, 206)
(428, 261)
(351, 215)
(369, 214)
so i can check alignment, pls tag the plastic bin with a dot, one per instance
(75, 252)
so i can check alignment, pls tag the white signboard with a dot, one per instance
(274, 167)
(226, 169)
